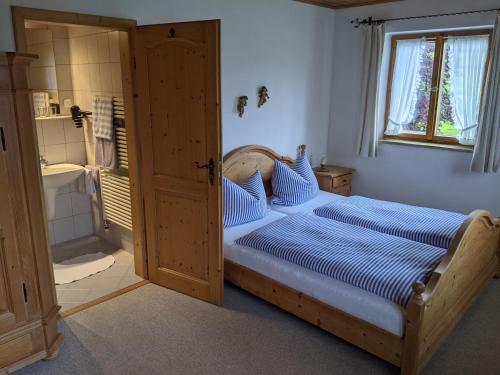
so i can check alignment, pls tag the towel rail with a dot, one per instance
(116, 184)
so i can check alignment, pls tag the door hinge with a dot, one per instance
(2, 136)
(25, 292)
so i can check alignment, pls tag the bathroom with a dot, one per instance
(87, 195)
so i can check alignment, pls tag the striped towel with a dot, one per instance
(102, 117)
(427, 225)
(379, 263)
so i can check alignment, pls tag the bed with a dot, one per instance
(425, 225)
(406, 337)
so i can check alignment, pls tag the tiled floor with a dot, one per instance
(118, 276)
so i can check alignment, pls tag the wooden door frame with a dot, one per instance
(127, 26)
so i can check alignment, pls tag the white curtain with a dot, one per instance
(405, 84)
(486, 157)
(372, 61)
(467, 59)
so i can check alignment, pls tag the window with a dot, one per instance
(435, 86)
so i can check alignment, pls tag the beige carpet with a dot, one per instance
(153, 330)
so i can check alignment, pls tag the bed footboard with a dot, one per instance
(469, 265)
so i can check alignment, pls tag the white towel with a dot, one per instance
(91, 179)
(105, 153)
(102, 117)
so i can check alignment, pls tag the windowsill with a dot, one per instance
(55, 117)
(441, 146)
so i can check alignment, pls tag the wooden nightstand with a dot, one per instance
(336, 180)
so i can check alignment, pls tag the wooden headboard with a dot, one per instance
(242, 163)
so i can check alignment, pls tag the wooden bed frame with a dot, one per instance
(434, 309)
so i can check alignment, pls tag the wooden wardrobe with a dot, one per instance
(28, 308)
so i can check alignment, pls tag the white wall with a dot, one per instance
(436, 178)
(283, 44)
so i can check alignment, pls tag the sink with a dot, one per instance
(55, 176)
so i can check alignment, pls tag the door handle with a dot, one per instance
(210, 166)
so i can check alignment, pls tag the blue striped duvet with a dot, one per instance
(426, 225)
(379, 263)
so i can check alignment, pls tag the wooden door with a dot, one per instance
(178, 115)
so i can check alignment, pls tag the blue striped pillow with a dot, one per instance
(244, 203)
(295, 184)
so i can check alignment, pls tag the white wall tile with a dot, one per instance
(75, 153)
(64, 229)
(45, 54)
(72, 133)
(65, 189)
(95, 79)
(41, 151)
(74, 186)
(35, 36)
(103, 44)
(55, 154)
(86, 101)
(84, 76)
(59, 32)
(78, 51)
(92, 44)
(61, 51)
(79, 185)
(50, 78)
(80, 203)
(53, 132)
(75, 77)
(43, 78)
(105, 75)
(63, 206)
(114, 47)
(64, 78)
(116, 77)
(78, 97)
(83, 225)
(75, 32)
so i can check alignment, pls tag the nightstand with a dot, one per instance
(336, 180)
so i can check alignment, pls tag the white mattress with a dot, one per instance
(319, 200)
(364, 305)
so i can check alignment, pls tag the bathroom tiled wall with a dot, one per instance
(95, 64)
(75, 63)
(42, 70)
(94, 57)
(60, 142)
(73, 217)
(78, 63)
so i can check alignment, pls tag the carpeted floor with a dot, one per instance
(152, 330)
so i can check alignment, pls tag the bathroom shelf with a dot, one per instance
(52, 117)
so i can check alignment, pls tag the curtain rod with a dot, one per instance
(369, 21)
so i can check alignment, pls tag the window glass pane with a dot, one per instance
(411, 87)
(462, 77)
(445, 123)
(424, 88)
